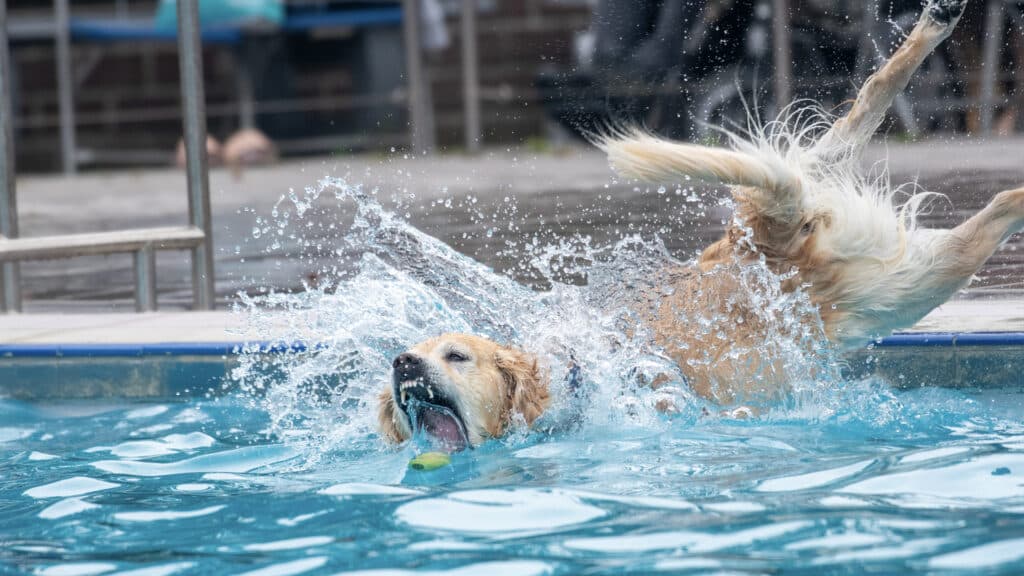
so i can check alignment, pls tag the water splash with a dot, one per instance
(389, 285)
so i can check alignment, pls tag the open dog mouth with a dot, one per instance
(430, 410)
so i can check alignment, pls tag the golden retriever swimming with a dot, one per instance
(803, 207)
(461, 389)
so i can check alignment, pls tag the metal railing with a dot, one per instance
(996, 12)
(197, 237)
(142, 243)
(9, 284)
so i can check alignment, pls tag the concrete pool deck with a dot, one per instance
(573, 185)
(45, 357)
(957, 317)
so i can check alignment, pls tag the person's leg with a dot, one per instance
(619, 27)
(660, 50)
(265, 58)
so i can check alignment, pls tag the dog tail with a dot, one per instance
(636, 154)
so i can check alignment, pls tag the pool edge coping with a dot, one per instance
(235, 348)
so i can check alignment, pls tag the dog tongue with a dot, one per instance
(443, 427)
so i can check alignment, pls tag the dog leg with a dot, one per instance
(947, 262)
(973, 242)
(855, 129)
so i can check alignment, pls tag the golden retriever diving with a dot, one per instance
(804, 207)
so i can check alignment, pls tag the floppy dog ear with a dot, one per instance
(387, 418)
(526, 385)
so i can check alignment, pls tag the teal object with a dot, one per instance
(223, 13)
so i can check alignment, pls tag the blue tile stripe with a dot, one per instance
(233, 348)
(141, 350)
(927, 339)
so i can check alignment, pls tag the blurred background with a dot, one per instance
(468, 115)
(328, 76)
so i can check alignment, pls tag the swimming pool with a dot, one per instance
(277, 469)
(927, 479)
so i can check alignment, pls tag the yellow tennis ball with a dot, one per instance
(430, 461)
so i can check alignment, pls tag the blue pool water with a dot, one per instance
(936, 483)
(279, 469)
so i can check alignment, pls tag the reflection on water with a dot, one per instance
(285, 473)
(937, 485)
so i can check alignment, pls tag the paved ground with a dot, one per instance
(221, 326)
(572, 191)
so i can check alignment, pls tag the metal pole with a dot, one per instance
(10, 290)
(190, 59)
(782, 53)
(470, 76)
(246, 96)
(990, 63)
(420, 120)
(65, 87)
(145, 279)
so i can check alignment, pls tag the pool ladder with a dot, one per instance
(142, 243)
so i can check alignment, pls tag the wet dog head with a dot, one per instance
(460, 389)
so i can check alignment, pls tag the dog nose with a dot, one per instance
(407, 366)
(406, 358)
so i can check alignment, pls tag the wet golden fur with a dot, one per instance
(492, 387)
(803, 204)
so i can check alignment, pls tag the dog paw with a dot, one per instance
(944, 12)
(1011, 202)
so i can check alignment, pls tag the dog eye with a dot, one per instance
(807, 228)
(454, 356)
